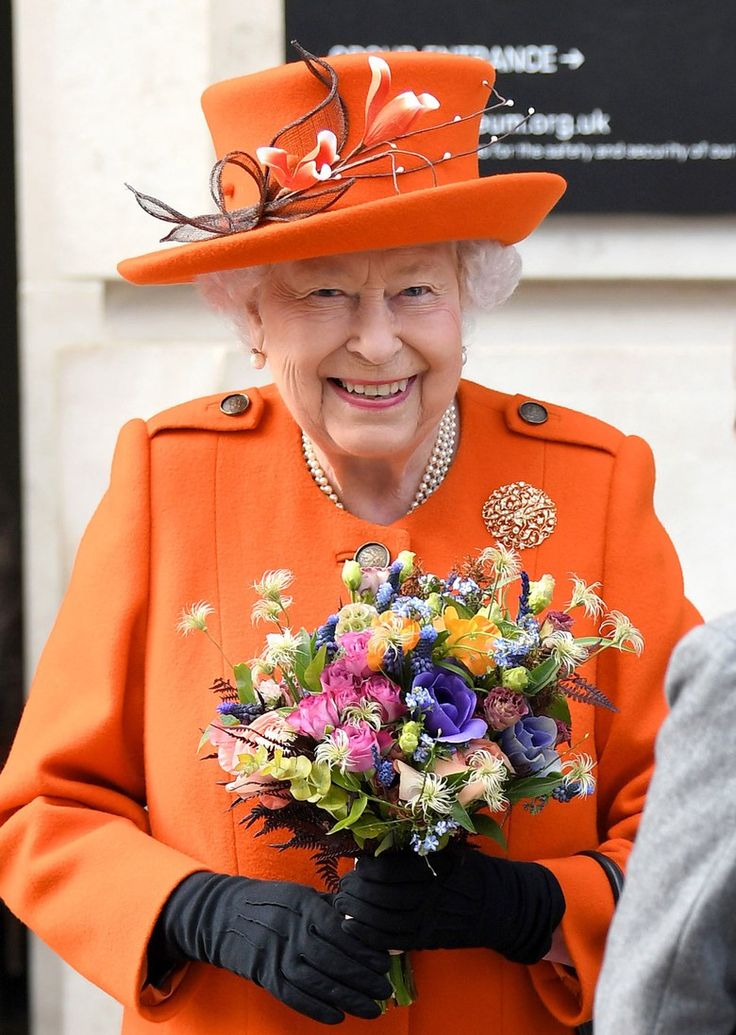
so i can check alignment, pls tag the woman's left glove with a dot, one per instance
(454, 899)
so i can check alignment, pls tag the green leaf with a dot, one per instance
(303, 654)
(588, 641)
(541, 676)
(321, 778)
(488, 827)
(335, 801)
(559, 709)
(310, 678)
(229, 720)
(356, 811)
(508, 629)
(441, 637)
(244, 683)
(369, 826)
(458, 670)
(347, 780)
(533, 786)
(461, 816)
(302, 790)
(463, 611)
(204, 739)
(386, 843)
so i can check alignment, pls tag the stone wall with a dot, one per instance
(631, 319)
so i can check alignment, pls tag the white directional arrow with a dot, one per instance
(574, 59)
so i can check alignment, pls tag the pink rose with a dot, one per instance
(504, 708)
(338, 676)
(314, 713)
(381, 689)
(345, 698)
(355, 645)
(364, 741)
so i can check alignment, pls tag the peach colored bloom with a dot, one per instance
(465, 761)
(296, 173)
(390, 630)
(471, 640)
(385, 119)
(255, 785)
(268, 731)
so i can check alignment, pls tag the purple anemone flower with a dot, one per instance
(450, 715)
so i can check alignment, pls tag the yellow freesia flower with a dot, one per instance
(471, 640)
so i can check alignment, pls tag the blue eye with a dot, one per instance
(326, 293)
(416, 290)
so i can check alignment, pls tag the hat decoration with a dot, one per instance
(303, 171)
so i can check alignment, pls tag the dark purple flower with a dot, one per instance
(450, 716)
(560, 620)
(530, 744)
(564, 732)
(504, 708)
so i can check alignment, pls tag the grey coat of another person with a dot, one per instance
(670, 963)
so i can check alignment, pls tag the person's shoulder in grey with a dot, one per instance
(670, 963)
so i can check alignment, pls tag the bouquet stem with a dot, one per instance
(401, 978)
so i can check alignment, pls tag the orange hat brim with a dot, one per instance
(505, 207)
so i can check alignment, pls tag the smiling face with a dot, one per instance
(364, 348)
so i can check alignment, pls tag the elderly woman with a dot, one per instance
(348, 250)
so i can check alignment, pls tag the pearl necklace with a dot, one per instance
(434, 472)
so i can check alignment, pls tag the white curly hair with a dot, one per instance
(488, 273)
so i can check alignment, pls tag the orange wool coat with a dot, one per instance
(104, 807)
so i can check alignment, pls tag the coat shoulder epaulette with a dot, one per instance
(226, 411)
(528, 416)
(535, 418)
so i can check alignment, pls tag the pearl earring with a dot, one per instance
(257, 359)
(464, 355)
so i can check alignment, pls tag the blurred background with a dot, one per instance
(626, 310)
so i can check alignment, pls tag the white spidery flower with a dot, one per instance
(366, 711)
(434, 795)
(267, 610)
(282, 648)
(567, 653)
(578, 774)
(623, 634)
(585, 596)
(194, 617)
(506, 563)
(335, 751)
(495, 799)
(492, 773)
(272, 584)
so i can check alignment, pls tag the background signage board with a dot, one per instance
(634, 101)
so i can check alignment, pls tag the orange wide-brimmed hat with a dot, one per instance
(361, 152)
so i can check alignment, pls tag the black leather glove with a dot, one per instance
(470, 901)
(285, 937)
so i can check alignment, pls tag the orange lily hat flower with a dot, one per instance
(386, 119)
(296, 173)
(471, 640)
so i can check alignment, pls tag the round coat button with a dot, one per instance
(533, 413)
(234, 405)
(373, 555)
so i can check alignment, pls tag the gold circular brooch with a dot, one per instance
(519, 515)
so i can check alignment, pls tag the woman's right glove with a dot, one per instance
(283, 936)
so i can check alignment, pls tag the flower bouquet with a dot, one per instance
(415, 715)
